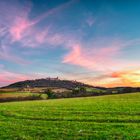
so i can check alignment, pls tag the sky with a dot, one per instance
(93, 41)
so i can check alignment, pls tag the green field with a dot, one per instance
(103, 117)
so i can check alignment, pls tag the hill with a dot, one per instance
(100, 118)
(55, 88)
(49, 82)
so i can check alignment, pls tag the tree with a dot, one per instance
(82, 89)
(49, 93)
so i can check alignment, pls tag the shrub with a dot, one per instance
(49, 93)
(75, 91)
(82, 89)
(44, 96)
(35, 96)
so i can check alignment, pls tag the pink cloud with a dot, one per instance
(105, 65)
(22, 24)
(19, 28)
(94, 59)
(40, 38)
(13, 23)
(101, 57)
(10, 77)
(15, 26)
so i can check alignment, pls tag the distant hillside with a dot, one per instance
(56, 88)
(48, 82)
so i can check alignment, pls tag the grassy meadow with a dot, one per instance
(102, 117)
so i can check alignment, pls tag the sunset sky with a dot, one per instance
(92, 41)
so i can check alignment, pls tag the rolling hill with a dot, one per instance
(49, 82)
(55, 88)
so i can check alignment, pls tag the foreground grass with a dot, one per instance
(103, 117)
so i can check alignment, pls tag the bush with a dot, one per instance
(44, 96)
(75, 91)
(82, 89)
(35, 96)
(49, 93)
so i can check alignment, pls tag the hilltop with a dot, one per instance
(49, 82)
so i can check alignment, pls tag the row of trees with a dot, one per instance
(82, 92)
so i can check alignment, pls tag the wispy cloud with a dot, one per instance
(20, 26)
(7, 77)
(100, 58)
(92, 58)
(106, 62)
(55, 10)
(16, 26)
